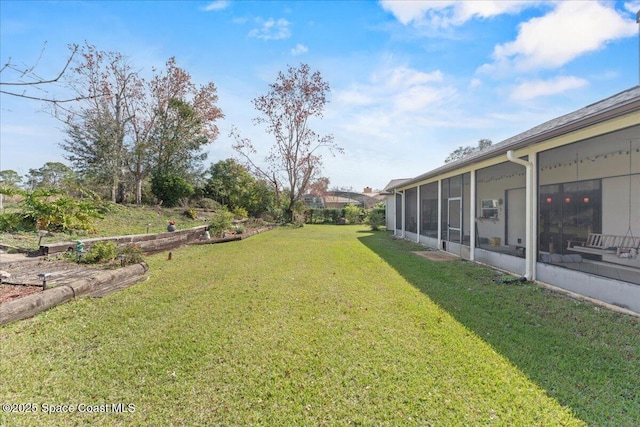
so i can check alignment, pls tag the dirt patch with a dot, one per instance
(11, 292)
(25, 281)
(436, 255)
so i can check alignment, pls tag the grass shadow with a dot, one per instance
(585, 357)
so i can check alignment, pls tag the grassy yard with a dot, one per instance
(323, 325)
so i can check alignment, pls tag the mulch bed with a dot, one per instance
(24, 278)
(11, 292)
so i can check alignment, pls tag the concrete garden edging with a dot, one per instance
(103, 283)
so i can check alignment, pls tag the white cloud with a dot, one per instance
(353, 97)
(299, 49)
(572, 29)
(216, 5)
(475, 83)
(272, 30)
(536, 88)
(633, 7)
(393, 100)
(406, 77)
(447, 13)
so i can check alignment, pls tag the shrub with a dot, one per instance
(191, 213)
(132, 254)
(353, 214)
(240, 213)
(331, 215)
(376, 219)
(220, 221)
(101, 252)
(49, 210)
(207, 203)
(170, 189)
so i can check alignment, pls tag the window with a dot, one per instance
(489, 208)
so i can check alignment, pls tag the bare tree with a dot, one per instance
(295, 159)
(26, 77)
(97, 128)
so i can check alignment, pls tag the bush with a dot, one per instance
(206, 203)
(101, 252)
(170, 189)
(240, 213)
(52, 211)
(353, 214)
(191, 213)
(331, 215)
(376, 219)
(220, 221)
(132, 254)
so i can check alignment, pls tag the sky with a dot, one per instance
(410, 81)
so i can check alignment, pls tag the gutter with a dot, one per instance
(529, 260)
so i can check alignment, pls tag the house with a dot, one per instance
(559, 203)
(339, 199)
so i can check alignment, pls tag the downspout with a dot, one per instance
(529, 260)
(402, 213)
(440, 214)
(395, 212)
(418, 216)
(472, 220)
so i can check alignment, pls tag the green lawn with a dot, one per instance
(324, 325)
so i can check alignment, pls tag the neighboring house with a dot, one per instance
(559, 203)
(313, 201)
(340, 199)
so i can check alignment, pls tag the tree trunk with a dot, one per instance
(122, 193)
(138, 190)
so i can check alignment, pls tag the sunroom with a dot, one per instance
(559, 203)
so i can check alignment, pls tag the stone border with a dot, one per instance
(232, 237)
(149, 243)
(108, 281)
(103, 283)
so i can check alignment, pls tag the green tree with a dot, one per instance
(171, 189)
(53, 175)
(10, 178)
(184, 117)
(230, 184)
(125, 128)
(462, 152)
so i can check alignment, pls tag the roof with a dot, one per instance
(394, 183)
(617, 105)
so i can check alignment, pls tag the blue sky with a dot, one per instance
(411, 80)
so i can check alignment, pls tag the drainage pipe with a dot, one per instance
(529, 260)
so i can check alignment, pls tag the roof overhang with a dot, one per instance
(622, 104)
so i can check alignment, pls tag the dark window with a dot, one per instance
(569, 212)
(429, 210)
(411, 210)
(398, 211)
